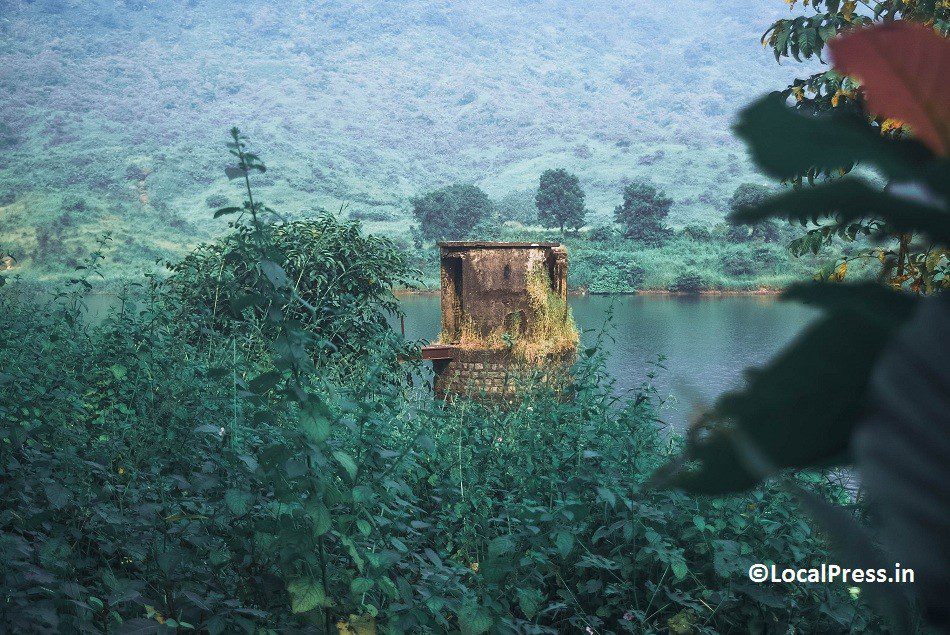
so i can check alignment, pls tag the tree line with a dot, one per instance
(462, 210)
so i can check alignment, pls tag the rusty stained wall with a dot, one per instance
(486, 283)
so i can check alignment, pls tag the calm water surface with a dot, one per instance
(706, 342)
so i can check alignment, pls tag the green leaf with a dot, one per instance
(360, 585)
(801, 408)
(264, 382)
(319, 515)
(57, 495)
(275, 274)
(500, 545)
(475, 620)
(607, 496)
(238, 501)
(848, 200)
(530, 601)
(306, 595)
(364, 527)
(679, 569)
(119, 372)
(564, 542)
(315, 419)
(347, 462)
(224, 211)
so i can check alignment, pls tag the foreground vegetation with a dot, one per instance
(270, 472)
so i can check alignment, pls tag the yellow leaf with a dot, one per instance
(841, 271)
(891, 124)
(848, 9)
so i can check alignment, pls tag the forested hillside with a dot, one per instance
(111, 111)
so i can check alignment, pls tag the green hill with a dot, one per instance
(114, 114)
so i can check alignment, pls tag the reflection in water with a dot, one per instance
(706, 341)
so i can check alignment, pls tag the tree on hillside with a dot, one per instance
(452, 212)
(748, 196)
(560, 200)
(643, 211)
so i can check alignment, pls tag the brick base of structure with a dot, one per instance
(496, 376)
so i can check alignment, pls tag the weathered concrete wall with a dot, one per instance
(485, 289)
(486, 284)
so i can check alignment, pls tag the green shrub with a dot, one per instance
(690, 281)
(601, 233)
(451, 213)
(738, 263)
(697, 232)
(143, 489)
(344, 278)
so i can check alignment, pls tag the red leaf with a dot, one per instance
(904, 69)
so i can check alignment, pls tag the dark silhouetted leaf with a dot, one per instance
(902, 450)
(849, 200)
(801, 408)
(786, 144)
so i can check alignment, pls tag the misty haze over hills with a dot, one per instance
(127, 104)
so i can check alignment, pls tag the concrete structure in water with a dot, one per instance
(490, 294)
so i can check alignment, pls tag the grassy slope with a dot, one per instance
(364, 104)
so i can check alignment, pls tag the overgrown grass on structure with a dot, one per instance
(547, 332)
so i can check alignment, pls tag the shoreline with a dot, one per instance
(768, 292)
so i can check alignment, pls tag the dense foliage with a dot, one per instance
(869, 381)
(344, 280)
(560, 200)
(225, 485)
(903, 259)
(139, 491)
(748, 196)
(643, 212)
(451, 213)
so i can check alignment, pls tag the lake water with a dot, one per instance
(707, 342)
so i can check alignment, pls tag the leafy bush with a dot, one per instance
(601, 233)
(145, 490)
(643, 212)
(697, 232)
(343, 277)
(690, 281)
(451, 213)
(738, 262)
